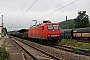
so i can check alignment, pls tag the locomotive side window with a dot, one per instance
(50, 26)
(42, 27)
(55, 26)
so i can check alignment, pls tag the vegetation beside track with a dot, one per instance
(75, 43)
(3, 53)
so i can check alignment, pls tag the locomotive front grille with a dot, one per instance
(53, 35)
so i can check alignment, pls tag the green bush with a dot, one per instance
(75, 43)
(74, 50)
(69, 42)
(3, 53)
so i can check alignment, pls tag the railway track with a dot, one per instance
(73, 50)
(83, 40)
(26, 53)
(79, 40)
(50, 56)
(56, 51)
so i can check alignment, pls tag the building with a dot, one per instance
(0, 31)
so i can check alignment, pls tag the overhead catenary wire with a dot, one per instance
(59, 9)
(27, 10)
(24, 4)
(47, 5)
(44, 8)
(22, 9)
(56, 9)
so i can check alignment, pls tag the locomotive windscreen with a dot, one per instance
(52, 26)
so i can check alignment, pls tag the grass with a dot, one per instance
(75, 43)
(74, 50)
(3, 53)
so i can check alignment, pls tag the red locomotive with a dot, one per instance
(46, 31)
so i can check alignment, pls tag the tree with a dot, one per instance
(4, 30)
(70, 26)
(82, 20)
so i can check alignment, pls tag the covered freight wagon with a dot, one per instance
(81, 33)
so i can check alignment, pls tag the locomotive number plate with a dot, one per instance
(53, 35)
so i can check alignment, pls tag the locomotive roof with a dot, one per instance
(51, 23)
(42, 24)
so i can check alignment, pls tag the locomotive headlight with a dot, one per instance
(48, 35)
(58, 35)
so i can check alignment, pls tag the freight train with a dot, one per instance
(76, 33)
(45, 32)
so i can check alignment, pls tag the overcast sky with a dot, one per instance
(20, 13)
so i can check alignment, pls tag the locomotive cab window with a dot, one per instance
(52, 26)
(55, 26)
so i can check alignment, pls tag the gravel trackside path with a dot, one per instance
(15, 53)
